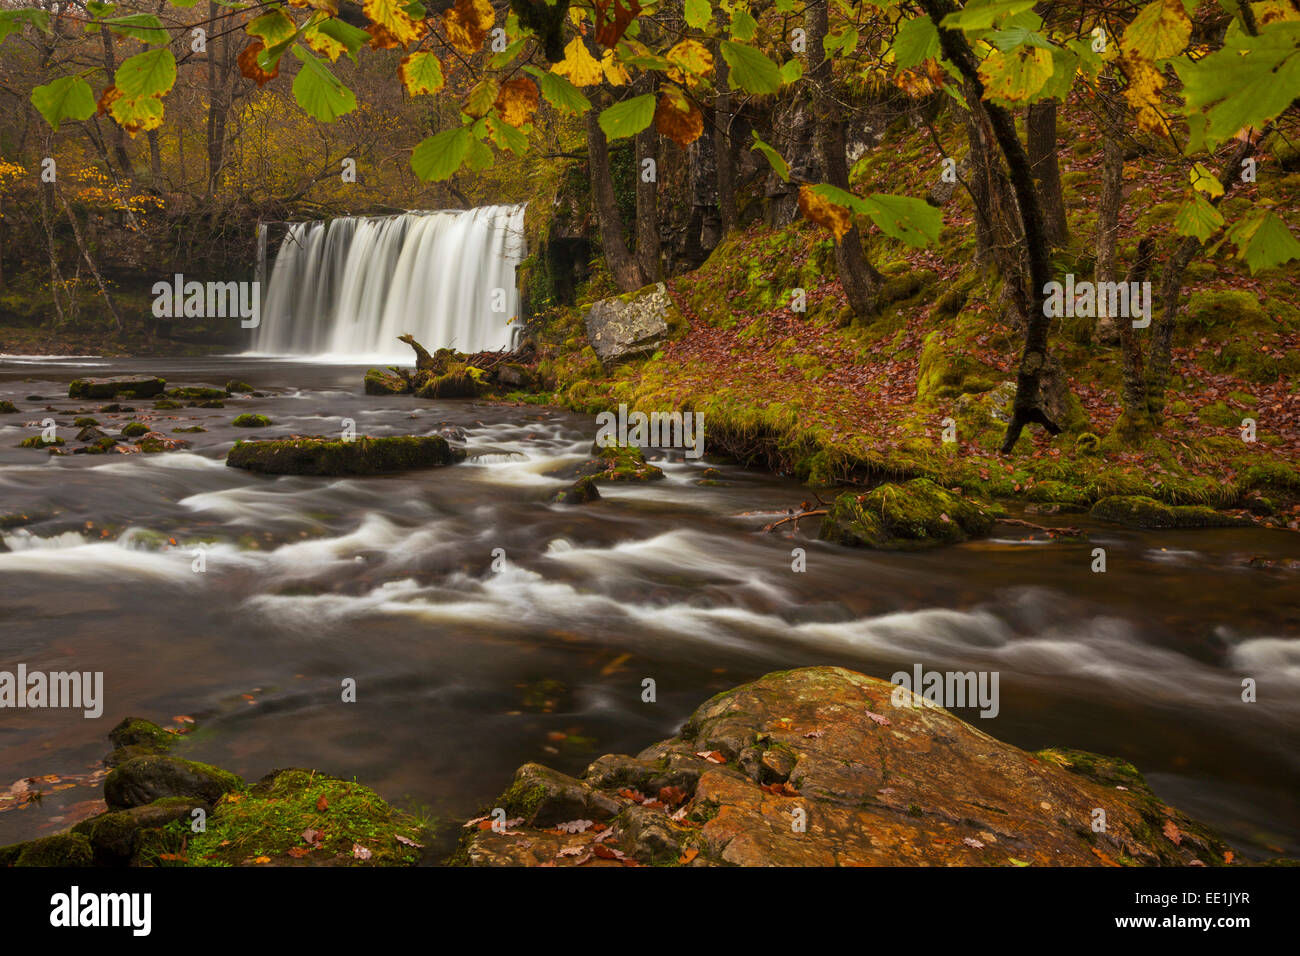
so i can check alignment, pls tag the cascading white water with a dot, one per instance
(345, 289)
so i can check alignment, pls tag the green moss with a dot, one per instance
(251, 420)
(234, 386)
(8, 408)
(1139, 511)
(61, 850)
(85, 422)
(190, 428)
(917, 514)
(134, 429)
(195, 393)
(381, 382)
(620, 463)
(364, 456)
(166, 404)
(36, 441)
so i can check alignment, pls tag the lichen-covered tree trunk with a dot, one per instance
(1040, 130)
(1134, 421)
(723, 148)
(622, 266)
(858, 277)
(1112, 192)
(648, 250)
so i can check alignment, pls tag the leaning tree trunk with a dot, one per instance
(858, 277)
(1028, 405)
(1040, 128)
(1134, 420)
(90, 262)
(624, 269)
(723, 148)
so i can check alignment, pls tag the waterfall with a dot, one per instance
(345, 289)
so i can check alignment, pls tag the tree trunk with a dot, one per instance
(1112, 193)
(723, 148)
(1027, 407)
(1134, 421)
(648, 251)
(118, 134)
(217, 104)
(90, 263)
(857, 276)
(1040, 127)
(624, 269)
(155, 158)
(56, 276)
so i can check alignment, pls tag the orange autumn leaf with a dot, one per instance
(322, 803)
(610, 31)
(822, 211)
(467, 23)
(688, 855)
(106, 99)
(516, 104)
(249, 67)
(298, 852)
(261, 859)
(678, 118)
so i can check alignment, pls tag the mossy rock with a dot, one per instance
(190, 428)
(911, 516)
(134, 429)
(142, 780)
(236, 387)
(251, 420)
(208, 403)
(85, 422)
(197, 393)
(37, 441)
(61, 850)
(945, 370)
(381, 382)
(116, 834)
(619, 463)
(460, 382)
(8, 408)
(581, 492)
(90, 433)
(269, 819)
(145, 387)
(1139, 511)
(322, 456)
(138, 732)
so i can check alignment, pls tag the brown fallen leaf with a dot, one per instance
(607, 852)
(673, 796)
(712, 756)
(360, 852)
(688, 854)
(636, 796)
(312, 837)
(1173, 833)
(322, 804)
(782, 789)
(406, 841)
(298, 852)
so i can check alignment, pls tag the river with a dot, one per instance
(463, 671)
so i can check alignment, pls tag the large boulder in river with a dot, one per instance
(324, 456)
(628, 326)
(139, 387)
(1139, 511)
(142, 780)
(822, 766)
(915, 515)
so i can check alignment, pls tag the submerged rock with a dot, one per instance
(581, 492)
(625, 327)
(871, 783)
(911, 516)
(8, 408)
(1138, 511)
(141, 387)
(323, 456)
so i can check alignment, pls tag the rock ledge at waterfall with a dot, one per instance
(874, 784)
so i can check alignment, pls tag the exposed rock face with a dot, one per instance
(364, 456)
(915, 515)
(1138, 511)
(877, 784)
(619, 329)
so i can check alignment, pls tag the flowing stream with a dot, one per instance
(348, 287)
(463, 672)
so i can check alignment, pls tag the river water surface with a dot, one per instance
(464, 672)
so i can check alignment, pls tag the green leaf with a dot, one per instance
(13, 21)
(629, 117)
(1264, 241)
(559, 92)
(774, 158)
(750, 70)
(1246, 83)
(791, 71)
(499, 60)
(318, 91)
(440, 155)
(1198, 218)
(353, 38)
(1011, 78)
(914, 221)
(917, 41)
(140, 26)
(478, 157)
(68, 97)
(506, 136)
(698, 14)
(151, 73)
(743, 26)
(980, 14)
(272, 27)
(1065, 64)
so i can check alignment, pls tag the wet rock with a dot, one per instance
(197, 393)
(62, 850)
(382, 382)
(134, 429)
(619, 463)
(140, 387)
(581, 492)
(115, 835)
(625, 327)
(235, 387)
(876, 782)
(251, 420)
(142, 780)
(911, 516)
(1138, 511)
(459, 382)
(322, 456)
(8, 408)
(454, 433)
(515, 376)
(90, 433)
(138, 732)
(37, 441)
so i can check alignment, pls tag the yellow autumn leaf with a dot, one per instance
(1159, 31)
(517, 101)
(467, 23)
(322, 43)
(834, 217)
(614, 70)
(329, 6)
(691, 60)
(1143, 94)
(578, 66)
(421, 72)
(390, 15)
